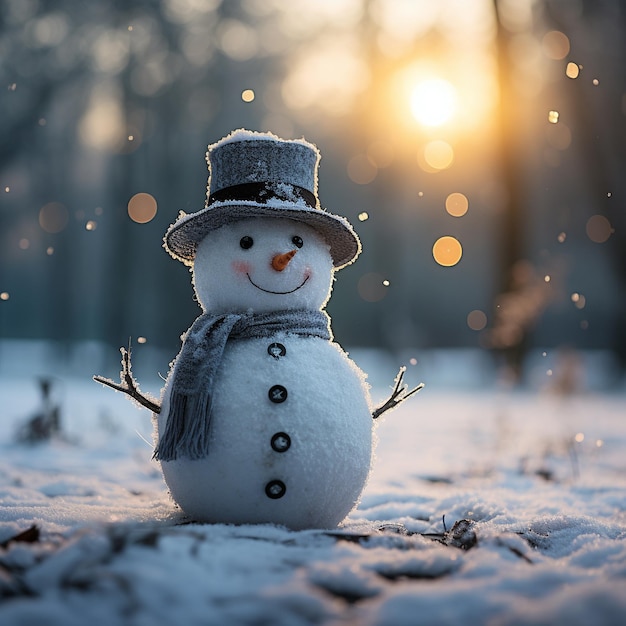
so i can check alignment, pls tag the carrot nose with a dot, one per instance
(281, 261)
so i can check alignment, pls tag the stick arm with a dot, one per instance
(129, 385)
(398, 395)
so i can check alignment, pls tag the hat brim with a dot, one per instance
(183, 236)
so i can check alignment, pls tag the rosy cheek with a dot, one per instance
(308, 272)
(241, 267)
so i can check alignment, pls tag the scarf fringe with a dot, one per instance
(187, 430)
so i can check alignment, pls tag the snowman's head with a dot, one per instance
(262, 264)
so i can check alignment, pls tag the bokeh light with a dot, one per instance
(559, 136)
(476, 319)
(361, 170)
(142, 208)
(457, 204)
(447, 251)
(53, 217)
(438, 155)
(598, 228)
(238, 40)
(102, 126)
(553, 117)
(555, 45)
(247, 95)
(572, 70)
(371, 287)
(380, 153)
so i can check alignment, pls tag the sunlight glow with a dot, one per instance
(329, 76)
(434, 102)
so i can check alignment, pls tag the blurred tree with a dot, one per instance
(510, 327)
(107, 99)
(597, 33)
(576, 166)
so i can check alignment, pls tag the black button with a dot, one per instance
(275, 489)
(281, 442)
(276, 350)
(277, 394)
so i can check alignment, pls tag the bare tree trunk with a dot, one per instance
(511, 241)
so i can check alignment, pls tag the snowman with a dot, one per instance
(263, 417)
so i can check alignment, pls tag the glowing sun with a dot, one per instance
(433, 102)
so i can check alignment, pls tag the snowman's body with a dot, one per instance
(291, 425)
(300, 458)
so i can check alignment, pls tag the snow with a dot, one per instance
(539, 475)
(242, 134)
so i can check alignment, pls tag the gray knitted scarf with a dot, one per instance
(189, 418)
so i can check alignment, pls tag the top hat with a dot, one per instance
(260, 175)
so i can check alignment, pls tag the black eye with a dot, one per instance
(246, 242)
(297, 241)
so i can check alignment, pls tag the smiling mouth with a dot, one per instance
(281, 293)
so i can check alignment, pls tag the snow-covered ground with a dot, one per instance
(485, 506)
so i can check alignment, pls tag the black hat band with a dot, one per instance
(262, 192)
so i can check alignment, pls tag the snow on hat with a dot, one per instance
(255, 174)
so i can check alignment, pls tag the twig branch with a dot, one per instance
(398, 395)
(128, 384)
